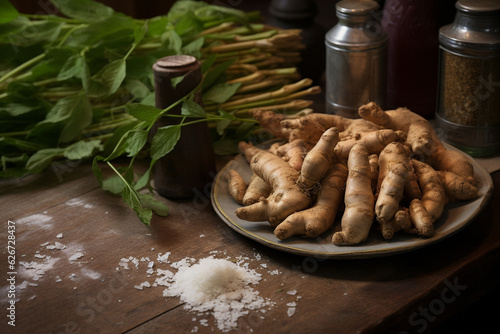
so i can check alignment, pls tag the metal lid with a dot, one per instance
(478, 6)
(356, 7)
(475, 30)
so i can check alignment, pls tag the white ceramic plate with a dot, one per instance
(455, 217)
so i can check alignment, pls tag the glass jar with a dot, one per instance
(468, 107)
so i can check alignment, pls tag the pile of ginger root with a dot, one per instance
(387, 167)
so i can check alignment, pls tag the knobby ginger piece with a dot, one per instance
(320, 217)
(237, 186)
(359, 200)
(433, 193)
(256, 190)
(318, 160)
(285, 198)
(393, 174)
(423, 140)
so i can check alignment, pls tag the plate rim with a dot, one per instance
(418, 242)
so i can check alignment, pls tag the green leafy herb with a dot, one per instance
(80, 86)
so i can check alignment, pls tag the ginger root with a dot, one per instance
(389, 165)
(393, 174)
(285, 198)
(359, 200)
(237, 186)
(318, 160)
(424, 143)
(256, 189)
(320, 217)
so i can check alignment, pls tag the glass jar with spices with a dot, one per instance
(468, 108)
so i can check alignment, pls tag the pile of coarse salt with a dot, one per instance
(222, 288)
(219, 286)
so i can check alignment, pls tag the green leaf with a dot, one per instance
(114, 184)
(193, 48)
(83, 149)
(132, 199)
(69, 116)
(157, 26)
(42, 159)
(192, 109)
(214, 74)
(172, 41)
(136, 142)
(144, 180)
(7, 12)
(73, 67)
(137, 88)
(84, 10)
(221, 92)
(35, 32)
(164, 140)
(188, 26)
(10, 144)
(103, 32)
(160, 208)
(115, 146)
(107, 80)
(143, 112)
(96, 169)
(19, 89)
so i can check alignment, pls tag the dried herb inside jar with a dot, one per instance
(470, 91)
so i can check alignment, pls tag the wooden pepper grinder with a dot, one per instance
(189, 168)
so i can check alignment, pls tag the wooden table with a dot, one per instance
(72, 235)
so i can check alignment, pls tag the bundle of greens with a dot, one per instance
(79, 85)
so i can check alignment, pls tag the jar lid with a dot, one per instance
(475, 30)
(356, 7)
(478, 6)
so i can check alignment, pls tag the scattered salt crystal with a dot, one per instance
(263, 265)
(145, 284)
(44, 244)
(59, 236)
(291, 304)
(274, 272)
(39, 256)
(32, 297)
(58, 279)
(75, 256)
(59, 245)
(163, 258)
(290, 311)
(90, 273)
(23, 285)
(292, 292)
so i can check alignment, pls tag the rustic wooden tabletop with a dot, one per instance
(83, 263)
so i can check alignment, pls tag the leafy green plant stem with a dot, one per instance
(22, 67)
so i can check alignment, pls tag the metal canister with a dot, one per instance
(468, 111)
(356, 58)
